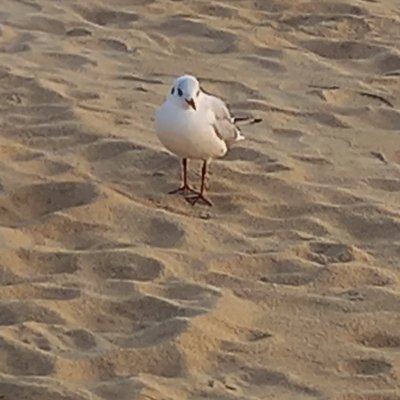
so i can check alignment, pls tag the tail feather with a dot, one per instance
(246, 120)
(239, 135)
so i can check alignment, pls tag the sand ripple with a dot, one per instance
(288, 288)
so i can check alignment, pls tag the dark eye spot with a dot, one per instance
(198, 93)
(172, 90)
(180, 93)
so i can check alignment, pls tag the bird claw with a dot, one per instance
(183, 190)
(198, 197)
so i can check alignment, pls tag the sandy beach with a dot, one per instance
(288, 288)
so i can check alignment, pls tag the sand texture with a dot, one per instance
(288, 288)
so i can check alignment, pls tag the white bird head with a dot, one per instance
(185, 91)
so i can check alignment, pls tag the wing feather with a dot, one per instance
(222, 121)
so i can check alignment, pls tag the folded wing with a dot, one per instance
(222, 121)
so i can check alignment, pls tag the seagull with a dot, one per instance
(193, 124)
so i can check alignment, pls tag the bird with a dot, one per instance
(193, 124)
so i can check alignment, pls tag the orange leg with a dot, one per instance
(199, 196)
(184, 188)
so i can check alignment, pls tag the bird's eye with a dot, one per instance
(180, 93)
(172, 90)
(198, 93)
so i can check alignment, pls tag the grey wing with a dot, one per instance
(224, 124)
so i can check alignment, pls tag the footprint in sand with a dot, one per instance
(37, 200)
(120, 265)
(367, 366)
(107, 17)
(379, 340)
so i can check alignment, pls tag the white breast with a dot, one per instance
(188, 133)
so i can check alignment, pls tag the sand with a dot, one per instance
(288, 288)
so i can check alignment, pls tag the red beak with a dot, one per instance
(191, 103)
